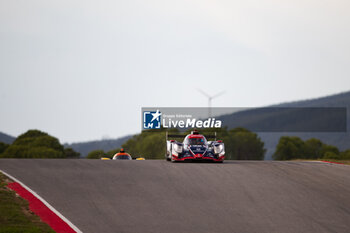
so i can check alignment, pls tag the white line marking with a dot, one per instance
(45, 202)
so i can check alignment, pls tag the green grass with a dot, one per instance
(347, 162)
(15, 215)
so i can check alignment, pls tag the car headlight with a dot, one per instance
(218, 148)
(178, 148)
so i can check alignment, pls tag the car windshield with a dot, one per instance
(196, 141)
(123, 157)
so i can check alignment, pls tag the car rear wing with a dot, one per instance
(184, 135)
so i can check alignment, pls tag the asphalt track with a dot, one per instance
(159, 196)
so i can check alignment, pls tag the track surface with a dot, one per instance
(159, 196)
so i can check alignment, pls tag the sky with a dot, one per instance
(82, 70)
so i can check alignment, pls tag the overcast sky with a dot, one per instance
(82, 70)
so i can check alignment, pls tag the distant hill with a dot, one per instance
(257, 118)
(105, 144)
(6, 138)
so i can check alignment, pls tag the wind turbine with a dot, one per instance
(210, 98)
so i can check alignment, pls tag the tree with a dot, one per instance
(152, 147)
(36, 138)
(37, 144)
(313, 149)
(329, 148)
(295, 148)
(330, 155)
(3, 147)
(95, 154)
(70, 153)
(20, 151)
(345, 155)
(289, 148)
(150, 144)
(242, 144)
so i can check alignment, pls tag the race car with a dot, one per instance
(122, 155)
(195, 147)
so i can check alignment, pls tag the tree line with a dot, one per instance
(240, 144)
(289, 148)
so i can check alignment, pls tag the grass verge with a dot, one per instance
(15, 215)
(347, 162)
